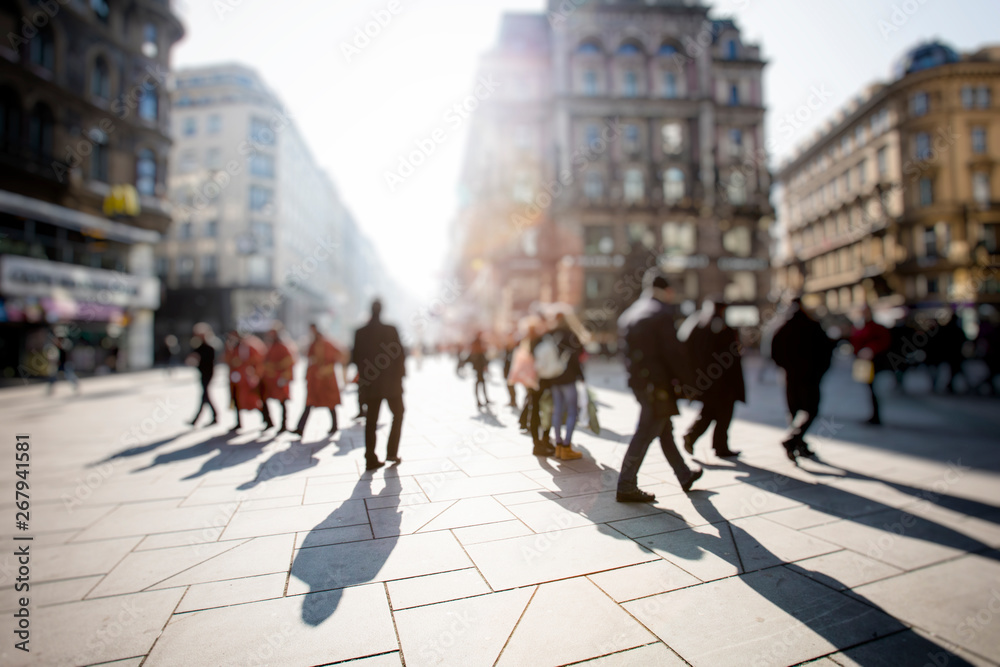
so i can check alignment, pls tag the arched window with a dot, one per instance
(590, 82)
(630, 84)
(100, 79)
(731, 49)
(42, 49)
(149, 103)
(669, 85)
(673, 184)
(629, 49)
(589, 46)
(10, 119)
(666, 50)
(40, 124)
(145, 172)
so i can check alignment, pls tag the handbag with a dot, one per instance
(863, 371)
(522, 368)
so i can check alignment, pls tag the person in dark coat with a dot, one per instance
(480, 363)
(948, 347)
(801, 347)
(565, 401)
(381, 365)
(508, 360)
(714, 350)
(203, 357)
(653, 359)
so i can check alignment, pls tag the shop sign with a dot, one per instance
(29, 277)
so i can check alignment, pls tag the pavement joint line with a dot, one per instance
(517, 623)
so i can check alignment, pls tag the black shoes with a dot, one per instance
(637, 496)
(543, 449)
(375, 466)
(727, 454)
(688, 444)
(692, 478)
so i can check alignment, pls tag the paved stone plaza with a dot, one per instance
(157, 544)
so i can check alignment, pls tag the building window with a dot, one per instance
(991, 238)
(100, 9)
(149, 104)
(630, 84)
(214, 124)
(260, 132)
(737, 241)
(882, 157)
(968, 97)
(981, 188)
(743, 288)
(919, 104)
(185, 270)
(590, 82)
(845, 145)
(734, 95)
(673, 185)
(598, 287)
(262, 165)
(162, 267)
(40, 128)
(213, 158)
(184, 231)
(150, 41)
(634, 185)
(736, 142)
(736, 189)
(641, 236)
(209, 269)
(263, 234)
(598, 240)
(672, 138)
(42, 49)
(922, 150)
(145, 173)
(678, 238)
(190, 126)
(983, 97)
(979, 140)
(592, 135)
(593, 185)
(631, 140)
(260, 198)
(259, 270)
(669, 85)
(862, 168)
(100, 79)
(859, 136)
(731, 50)
(926, 193)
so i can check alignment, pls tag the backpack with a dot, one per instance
(549, 363)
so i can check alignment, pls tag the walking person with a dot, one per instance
(653, 360)
(60, 363)
(245, 358)
(714, 349)
(322, 390)
(508, 360)
(477, 358)
(801, 347)
(565, 400)
(203, 357)
(279, 370)
(871, 342)
(381, 366)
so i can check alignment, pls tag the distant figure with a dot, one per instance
(59, 361)
(480, 363)
(381, 365)
(245, 358)
(714, 349)
(173, 353)
(565, 400)
(948, 349)
(508, 359)
(988, 345)
(203, 357)
(279, 370)
(872, 342)
(654, 361)
(322, 390)
(802, 348)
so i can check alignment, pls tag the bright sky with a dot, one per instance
(360, 112)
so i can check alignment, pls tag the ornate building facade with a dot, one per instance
(622, 136)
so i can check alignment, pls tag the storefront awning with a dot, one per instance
(44, 211)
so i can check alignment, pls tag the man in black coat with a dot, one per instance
(380, 360)
(203, 357)
(653, 359)
(802, 348)
(714, 351)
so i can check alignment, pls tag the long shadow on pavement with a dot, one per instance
(296, 458)
(329, 568)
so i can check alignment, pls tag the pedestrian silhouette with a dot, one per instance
(322, 390)
(203, 357)
(279, 370)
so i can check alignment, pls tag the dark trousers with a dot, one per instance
(803, 407)
(533, 399)
(721, 412)
(371, 423)
(481, 382)
(205, 400)
(876, 417)
(305, 418)
(652, 424)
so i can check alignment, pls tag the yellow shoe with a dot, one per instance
(567, 453)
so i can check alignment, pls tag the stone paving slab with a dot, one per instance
(256, 548)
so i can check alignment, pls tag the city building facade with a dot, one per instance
(84, 144)
(622, 136)
(260, 232)
(894, 204)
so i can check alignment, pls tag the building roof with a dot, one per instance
(924, 56)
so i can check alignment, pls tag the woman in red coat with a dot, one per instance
(322, 390)
(245, 358)
(279, 368)
(871, 342)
